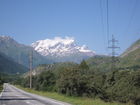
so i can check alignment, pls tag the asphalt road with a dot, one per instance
(14, 96)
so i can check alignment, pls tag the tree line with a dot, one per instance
(81, 80)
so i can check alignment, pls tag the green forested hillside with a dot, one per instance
(55, 67)
(99, 63)
(10, 67)
(132, 48)
(19, 52)
(130, 59)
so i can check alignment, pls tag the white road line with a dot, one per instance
(27, 102)
(56, 102)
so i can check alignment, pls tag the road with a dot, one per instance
(14, 96)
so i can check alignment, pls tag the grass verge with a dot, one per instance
(1, 88)
(71, 100)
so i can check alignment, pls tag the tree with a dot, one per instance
(83, 65)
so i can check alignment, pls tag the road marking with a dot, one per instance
(27, 102)
(53, 101)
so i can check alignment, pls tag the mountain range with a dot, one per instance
(129, 60)
(19, 52)
(62, 49)
(44, 52)
(15, 56)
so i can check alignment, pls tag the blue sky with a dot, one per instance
(85, 20)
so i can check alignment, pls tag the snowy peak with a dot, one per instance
(52, 43)
(60, 47)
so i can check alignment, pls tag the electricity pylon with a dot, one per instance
(113, 47)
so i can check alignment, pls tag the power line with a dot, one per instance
(131, 17)
(102, 22)
(107, 19)
(101, 10)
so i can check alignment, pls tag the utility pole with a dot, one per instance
(113, 47)
(31, 64)
(19, 61)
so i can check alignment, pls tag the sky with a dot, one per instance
(86, 20)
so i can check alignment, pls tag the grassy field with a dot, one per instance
(72, 100)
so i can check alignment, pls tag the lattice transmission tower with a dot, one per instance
(113, 47)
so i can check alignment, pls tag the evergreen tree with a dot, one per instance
(83, 65)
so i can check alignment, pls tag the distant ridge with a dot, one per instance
(20, 52)
(10, 67)
(133, 47)
(131, 57)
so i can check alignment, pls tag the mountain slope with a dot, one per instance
(131, 57)
(62, 49)
(129, 60)
(132, 48)
(52, 67)
(19, 52)
(9, 67)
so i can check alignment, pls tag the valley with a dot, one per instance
(92, 78)
(69, 52)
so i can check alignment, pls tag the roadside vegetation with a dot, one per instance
(72, 99)
(1, 83)
(1, 87)
(80, 80)
(7, 78)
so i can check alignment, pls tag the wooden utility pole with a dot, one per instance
(19, 59)
(31, 64)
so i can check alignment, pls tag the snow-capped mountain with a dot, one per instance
(61, 48)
